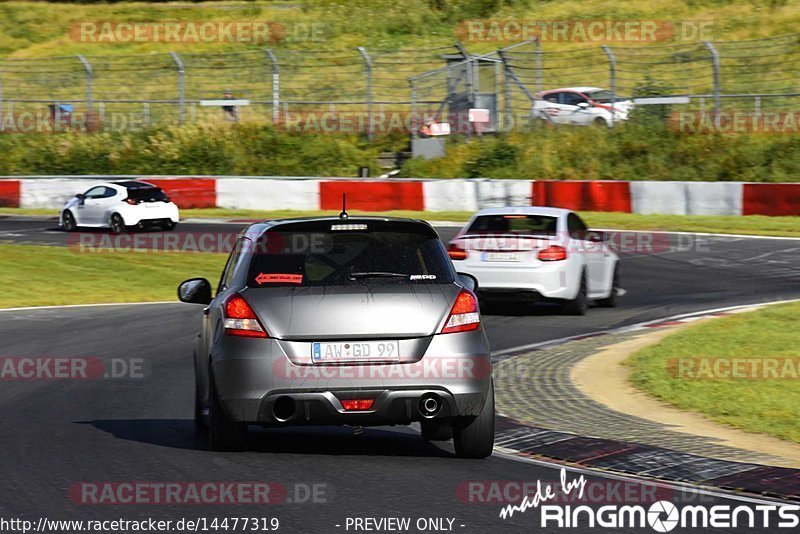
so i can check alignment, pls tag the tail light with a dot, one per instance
(357, 405)
(456, 253)
(240, 320)
(465, 315)
(131, 201)
(553, 253)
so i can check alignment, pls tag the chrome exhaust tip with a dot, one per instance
(429, 405)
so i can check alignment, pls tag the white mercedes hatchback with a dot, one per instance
(120, 206)
(544, 254)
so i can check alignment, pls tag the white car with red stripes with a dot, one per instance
(539, 253)
(581, 106)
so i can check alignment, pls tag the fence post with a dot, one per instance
(470, 74)
(276, 87)
(89, 78)
(181, 101)
(414, 126)
(507, 123)
(612, 75)
(368, 66)
(715, 72)
(538, 54)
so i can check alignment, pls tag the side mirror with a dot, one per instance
(584, 105)
(468, 281)
(81, 197)
(195, 291)
(595, 237)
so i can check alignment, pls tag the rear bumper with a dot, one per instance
(134, 215)
(554, 280)
(396, 406)
(252, 374)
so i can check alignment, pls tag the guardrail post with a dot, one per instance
(612, 78)
(715, 73)
(89, 79)
(181, 97)
(276, 87)
(368, 67)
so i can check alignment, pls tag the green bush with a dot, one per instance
(637, 150)
(242, 149)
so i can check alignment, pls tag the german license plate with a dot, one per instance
(355, 351)
(501, 256)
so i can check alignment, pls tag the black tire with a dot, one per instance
(116, 223)
(611, 300)
(579, 304)
(224, 435)
(437, 430)
(200, 426)
(68, 221)
(474, 437)
(600, 122)
(170, 225)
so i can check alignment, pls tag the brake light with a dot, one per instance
(358, 405)
(465, 315)
(131, 201)
(553, 253)
(456, 253)
(240, 320)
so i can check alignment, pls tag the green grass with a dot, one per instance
(39, 276)
(727, 224)
(766, 406)
(36, 29)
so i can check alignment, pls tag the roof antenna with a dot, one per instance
(343, 214)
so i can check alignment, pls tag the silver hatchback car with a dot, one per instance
(342, 321)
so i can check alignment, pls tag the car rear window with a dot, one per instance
(514, 224)
(347, 252)
(148, 194)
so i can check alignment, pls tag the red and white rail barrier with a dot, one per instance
(309, 193)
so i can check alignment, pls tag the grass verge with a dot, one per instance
(40, 276)
(766, 405)
(727, 224)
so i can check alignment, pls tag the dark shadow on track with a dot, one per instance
(334, 441)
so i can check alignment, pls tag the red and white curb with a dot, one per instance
(312, 193)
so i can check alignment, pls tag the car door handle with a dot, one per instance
(206, 310)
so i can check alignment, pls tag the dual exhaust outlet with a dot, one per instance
(285, 407)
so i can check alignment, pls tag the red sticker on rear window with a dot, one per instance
(264, 278)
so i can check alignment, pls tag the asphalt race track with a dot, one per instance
(57, 434)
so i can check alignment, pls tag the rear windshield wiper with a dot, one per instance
(377, 274)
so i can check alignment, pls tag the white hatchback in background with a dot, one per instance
(544, 254)
(120, 206)
(581, 106)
